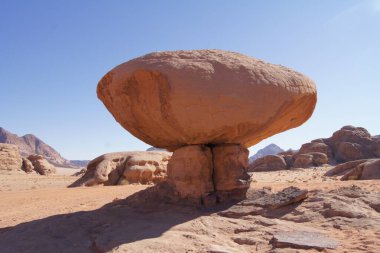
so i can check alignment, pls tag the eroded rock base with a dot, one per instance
(209, 175)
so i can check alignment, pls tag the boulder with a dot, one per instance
(27, 165)
(368, 170)
(351, 143)
(375, 147)
(230, 177)
(319, 159)
(268, 163)
(348, 151)
(190, 172)
(317, 146)
(41, 165)
(313, 159)
(289, 159)
(303, 161)
(343, 168)
(143, 170)
(10, 159)
(178, 98)
(139, 167)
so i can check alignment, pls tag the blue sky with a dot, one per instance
(53, 53)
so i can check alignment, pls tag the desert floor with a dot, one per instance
(39, 214)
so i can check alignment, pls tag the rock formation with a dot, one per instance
(367, 169)
(138, 167)
(347, 144)
(209, 104)
(31, 145)
(10, 159)
(41, 165)
(268, 163)
(27, 165)
(173, 99)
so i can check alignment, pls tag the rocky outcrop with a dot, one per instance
(367, 169)
(351, 143)
(313, 159)
(31, 145)
(139, 167)
(317, 146)
(268, 163)
(27, 165)
(10, 159)
(346, 145)
(207, 106)
(41, 165)
(178, 98)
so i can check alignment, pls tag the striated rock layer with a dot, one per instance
(10, 159)
(179, 98)
(139, 167)
(41, 165)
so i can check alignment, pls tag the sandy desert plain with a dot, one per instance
(40, 214)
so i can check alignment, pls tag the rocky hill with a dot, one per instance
(345, 145)
(271, 149)
(79, 163)
(30, 144)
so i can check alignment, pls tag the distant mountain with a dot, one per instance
(271, 149)
(30, 144)
(156, 149)
(80, 163)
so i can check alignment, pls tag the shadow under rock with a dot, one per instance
(142, 215)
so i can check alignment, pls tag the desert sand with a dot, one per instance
(39, 214)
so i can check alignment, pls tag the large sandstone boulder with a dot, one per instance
(207, 106)
(351, 143)
(313, 159)
(178, 98)
(27, 165)
(268, 163)
(41, 165)
(10, 159)
(139, 167)
(317, 146)
(367, 169)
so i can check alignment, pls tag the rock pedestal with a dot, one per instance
(230, 176)
(209, 174)
(190, 172)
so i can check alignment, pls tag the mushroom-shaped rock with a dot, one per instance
(178, 98)
(207, 106)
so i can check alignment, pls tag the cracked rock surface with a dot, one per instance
(209, 174)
